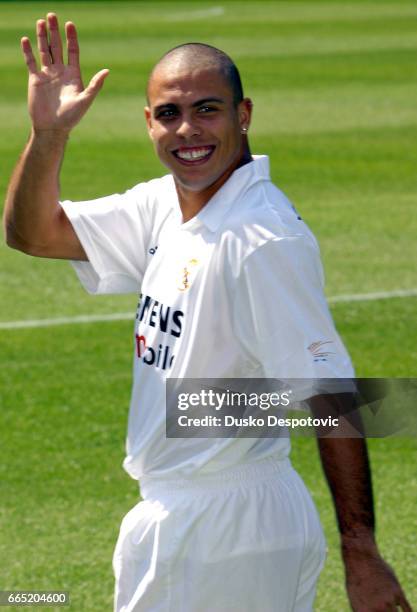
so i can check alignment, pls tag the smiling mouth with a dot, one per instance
(191, 156)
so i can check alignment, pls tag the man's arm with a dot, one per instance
(371, 584)
(33, 219)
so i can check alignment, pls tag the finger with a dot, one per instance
(403, 603)
(55, 44)
(72, 45)
(28, 55)
(96, 83)
(43, 46)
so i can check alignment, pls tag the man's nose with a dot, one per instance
(188, 128)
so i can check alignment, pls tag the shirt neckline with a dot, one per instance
(212, 214)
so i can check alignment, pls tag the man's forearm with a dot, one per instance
(32, 197)
(346, 466)
(371, 583)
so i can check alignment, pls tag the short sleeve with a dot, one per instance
(281, 315)
(114, 232)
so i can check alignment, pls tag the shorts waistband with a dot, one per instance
(247, 474)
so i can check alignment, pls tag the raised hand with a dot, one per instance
(57, 98)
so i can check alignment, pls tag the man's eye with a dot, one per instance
(166, 114)
(207, 109)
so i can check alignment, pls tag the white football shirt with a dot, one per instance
(235, 292)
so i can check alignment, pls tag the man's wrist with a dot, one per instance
(358, 542)
(49, 136)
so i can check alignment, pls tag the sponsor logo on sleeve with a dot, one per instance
(319, 350)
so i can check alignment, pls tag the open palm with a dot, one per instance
(56, 95)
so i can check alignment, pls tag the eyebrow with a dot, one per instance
(206, 100)
(194, 105)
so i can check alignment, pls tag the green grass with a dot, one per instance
(333, 85)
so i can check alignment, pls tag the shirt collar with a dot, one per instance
(212, 214)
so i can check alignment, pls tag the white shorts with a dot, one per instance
(246, 540)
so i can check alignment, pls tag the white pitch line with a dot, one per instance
(117, 316)
(215, 11)
(377, 295)
(129, 316)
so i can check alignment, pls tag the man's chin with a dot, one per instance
(199, 180)
(194, 185)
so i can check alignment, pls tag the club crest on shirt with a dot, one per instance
(188, 273)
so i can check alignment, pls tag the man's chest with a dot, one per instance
(179, 267)
(178, 285)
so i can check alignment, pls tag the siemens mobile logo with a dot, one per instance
(168, 320)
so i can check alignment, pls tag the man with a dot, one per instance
(231, 287)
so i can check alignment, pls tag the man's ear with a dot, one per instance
(148, 118)
(245, 113)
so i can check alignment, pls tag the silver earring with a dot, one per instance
(244, 130)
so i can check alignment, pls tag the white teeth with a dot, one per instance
(194, 154)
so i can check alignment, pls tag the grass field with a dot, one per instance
(334, 89)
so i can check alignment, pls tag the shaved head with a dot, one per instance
(198, 55)
(198, 119)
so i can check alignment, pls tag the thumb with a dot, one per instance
(96, 83)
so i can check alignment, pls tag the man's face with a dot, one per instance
(194, 124)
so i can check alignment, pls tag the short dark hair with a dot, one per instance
(200, 52)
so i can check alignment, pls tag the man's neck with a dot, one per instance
(191, 202)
